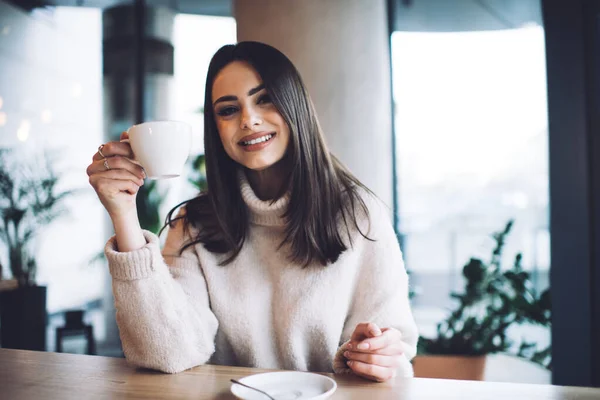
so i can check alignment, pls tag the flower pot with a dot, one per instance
(450, 367)
(23, 318)
(8, 284)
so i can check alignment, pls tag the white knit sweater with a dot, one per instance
(175, 312)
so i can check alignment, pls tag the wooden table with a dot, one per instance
(28, 375)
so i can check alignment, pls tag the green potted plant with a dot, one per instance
(198, 173)
(150, 198)
(148, 201)
(494, 299)
(29, 199)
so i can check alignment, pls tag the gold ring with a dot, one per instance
(100, 151)
(106, 164)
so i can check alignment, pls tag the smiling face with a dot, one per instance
(253, 132)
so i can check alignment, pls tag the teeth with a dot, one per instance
(258, 140)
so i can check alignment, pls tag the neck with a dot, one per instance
(267, 184)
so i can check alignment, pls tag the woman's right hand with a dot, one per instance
(115, 177)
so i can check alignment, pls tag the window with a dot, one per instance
(51, 91)
(196, 38)
(472, 153)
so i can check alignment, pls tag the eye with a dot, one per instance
(226, 111)
(263, 99)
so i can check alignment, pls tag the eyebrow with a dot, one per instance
(251, 92)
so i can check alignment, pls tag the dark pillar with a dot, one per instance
(572, 52)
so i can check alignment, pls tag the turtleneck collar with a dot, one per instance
(263, 212)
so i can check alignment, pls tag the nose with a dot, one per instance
(250, 119)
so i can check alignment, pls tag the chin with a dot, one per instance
(260, 165)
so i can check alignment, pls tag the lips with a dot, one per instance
(254, 136)
(256, 141)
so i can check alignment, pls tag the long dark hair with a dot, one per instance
(323, 192)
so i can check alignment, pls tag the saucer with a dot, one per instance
(285, 385)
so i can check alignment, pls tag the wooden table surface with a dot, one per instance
(28, 375)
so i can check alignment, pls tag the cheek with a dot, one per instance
(285, 133)
(278, 120)
(226, 132)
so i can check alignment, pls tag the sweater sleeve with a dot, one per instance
(381, 291)
(162, 304)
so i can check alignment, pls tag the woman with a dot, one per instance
(286, 262)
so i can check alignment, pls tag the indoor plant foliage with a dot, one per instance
(150, 198)
(148, 201)
(29, 200)
(494, 299)
(198, 174)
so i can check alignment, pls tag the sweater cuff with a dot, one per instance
(339, 361)
(136, 264)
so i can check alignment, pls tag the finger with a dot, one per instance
(116, 163)
(118, 174)
(112, 149)
(124, 135)
(395, 349)
(375, 359)
(365, 330)
(111, 188)
(387, 338)
(370, 371)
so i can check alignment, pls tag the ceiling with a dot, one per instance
(409, 15)
(204, 7)
(464, 15)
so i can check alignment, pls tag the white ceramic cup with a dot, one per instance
(161, 147)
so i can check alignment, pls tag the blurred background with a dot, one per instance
(442, 107)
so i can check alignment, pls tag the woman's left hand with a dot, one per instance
(374, 353)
